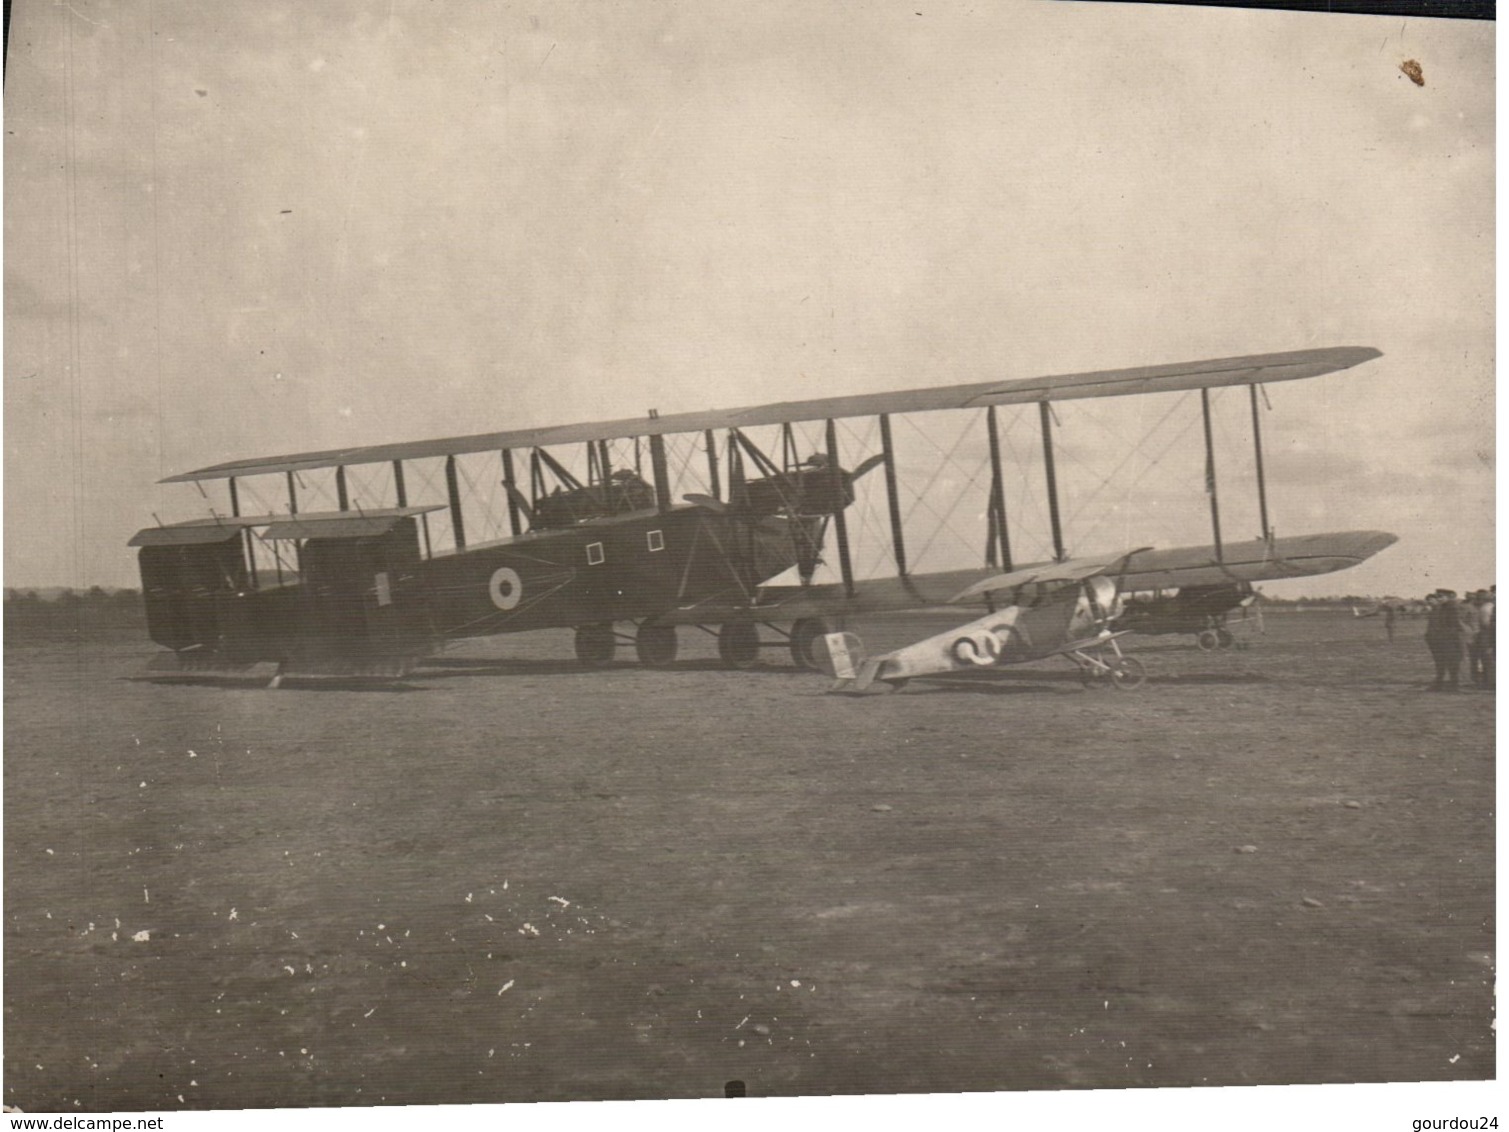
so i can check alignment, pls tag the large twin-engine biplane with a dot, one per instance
(362, 562)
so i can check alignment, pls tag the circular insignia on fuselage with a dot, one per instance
(506, 587)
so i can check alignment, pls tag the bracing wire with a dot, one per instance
(1130, 456)
(1155, 462)
(1021, 502)
(870, 525)
(920, 499)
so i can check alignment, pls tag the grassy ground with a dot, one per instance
(516, 880)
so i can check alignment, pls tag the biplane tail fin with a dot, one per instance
(842, 656)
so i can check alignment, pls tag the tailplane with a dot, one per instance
(842, 656)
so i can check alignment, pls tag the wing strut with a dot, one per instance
(605, 468)
(1257, 447)
(998, 529)
(1046, 414)
(536, 479)
(840, 524)
(1210, 475)
(888, 454)
(559, 470)
(453, 490)
(400, 489)
(249, 547)
(342, 502)
(712, 464)
(293, 495)
(660, 471)
(511, 490)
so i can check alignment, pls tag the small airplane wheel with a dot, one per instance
(1128, 674)
(1224, 638)
(1093, 678)
(1208, 640)
(655, 645)
(739, 644)
(595, 644)
(805, 635)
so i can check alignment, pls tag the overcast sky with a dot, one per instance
(253, 226)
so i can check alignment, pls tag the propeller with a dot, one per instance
(718, 507)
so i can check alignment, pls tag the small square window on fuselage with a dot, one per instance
(595, 555)
(655, 540)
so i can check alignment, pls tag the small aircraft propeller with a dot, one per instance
(867, 466)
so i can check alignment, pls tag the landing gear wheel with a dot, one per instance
(1094, 679)
(655, 645)
(1208, 640)
(1128, 673)
(1224, 638)
(805, 635)
(595, 644)
(739, 644)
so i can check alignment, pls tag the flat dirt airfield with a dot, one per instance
(516, 880)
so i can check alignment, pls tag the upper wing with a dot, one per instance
(1208, 374)
(308, 524)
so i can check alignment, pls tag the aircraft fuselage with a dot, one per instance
(381, 596)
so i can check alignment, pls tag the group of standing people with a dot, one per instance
(1459, 632)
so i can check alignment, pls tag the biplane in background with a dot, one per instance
(376, 584)
(1211, 614)
(1384, 605)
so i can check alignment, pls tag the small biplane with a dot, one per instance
(1210, 614)
(654, 523)
(1062, 609)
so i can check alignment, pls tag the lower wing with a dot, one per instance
(1256, 561)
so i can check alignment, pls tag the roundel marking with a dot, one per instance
(981, 648)
(506, 587)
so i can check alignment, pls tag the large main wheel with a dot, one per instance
(1225, 639)
(805, 635)
(1127, 673)
(1208, 640)
(595, 644)
(655, 645)
(739, 644)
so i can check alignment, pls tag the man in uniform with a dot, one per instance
(1448, 632)
(1480, 652)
